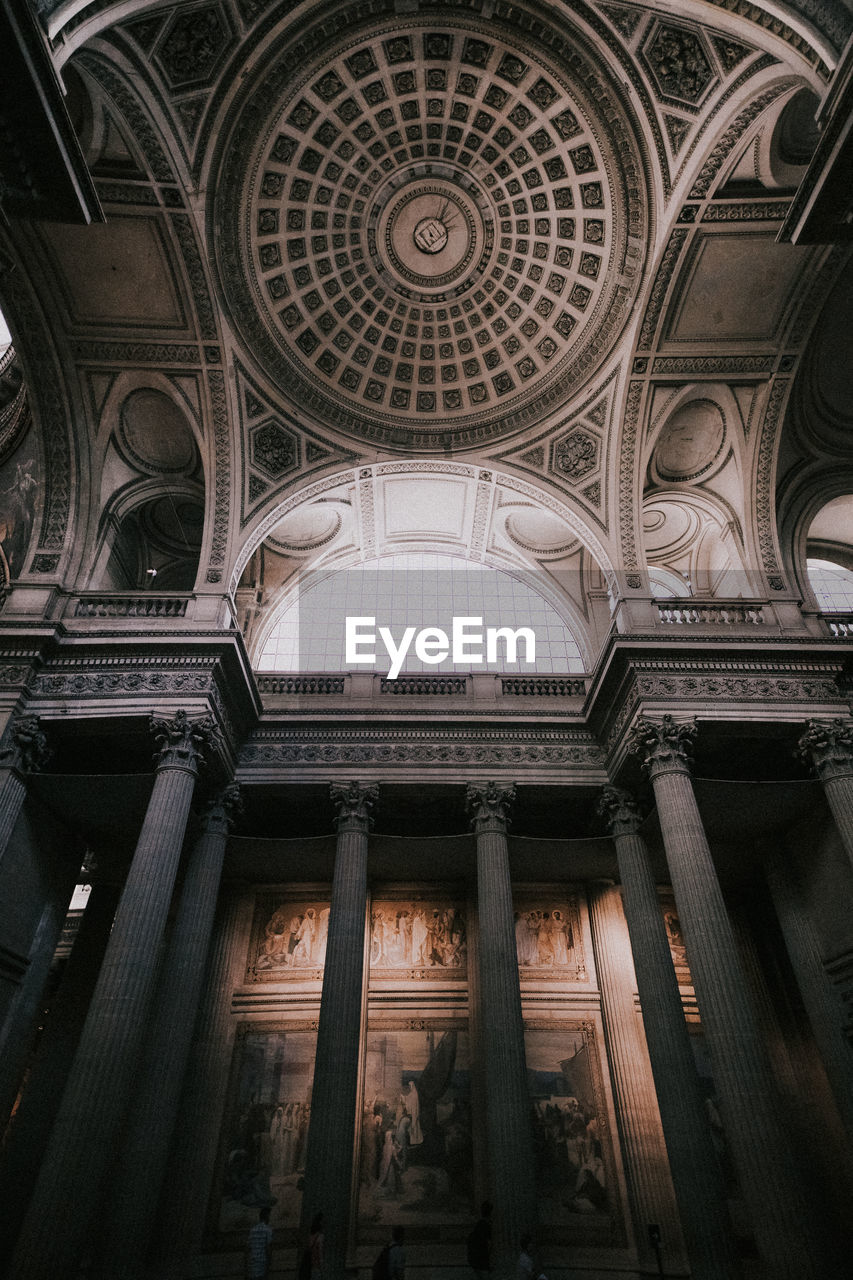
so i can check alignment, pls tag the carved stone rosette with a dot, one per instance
(619, 810)
(490, 807)
(827, 745)
(665, 745)
(25, 747)
(182, 743)
(354, 802)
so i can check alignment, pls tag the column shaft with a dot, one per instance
(180, 1222)
(693, 1161)
(741, 1068)
(633, 1085)
(72, 1176)
(23, 750)
(827, 745)
(12, 792)
(30, 1129)
(136, 1181)
(823, 1006)
(511, 1164)
(331, 1132)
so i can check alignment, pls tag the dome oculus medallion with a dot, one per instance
(431, 243)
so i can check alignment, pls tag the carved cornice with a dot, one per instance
(664, 746)
(620, 811)
(354, 802)
(24, 747)
(183, 743)
(827, 745)
(490, 807)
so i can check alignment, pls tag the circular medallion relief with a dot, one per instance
(690, 442)
(155, 433)
(427, 234)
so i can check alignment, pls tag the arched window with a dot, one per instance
(419, 591)
(832, 585)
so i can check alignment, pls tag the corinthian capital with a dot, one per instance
(222, 810)
(182, 742)
(619, 810)
(490, 807)
(24, 745)
(827, 745)
(665, 745)
(354, 802)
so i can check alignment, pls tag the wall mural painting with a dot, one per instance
(575, 1169)
(20, 480)
(426, 938)
(265, 1126)
(288, 939)
(416, 1155)
(548, 938)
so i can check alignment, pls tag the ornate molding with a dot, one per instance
(741, 688)
(620, 811)
(668, 263)
(827, 745)
(490, 807)
(764, 492)
(25, 747)
(457, 747)
(626, 480)
(354, 803)
(664, 746)
(183, 743)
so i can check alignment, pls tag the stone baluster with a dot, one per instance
(334, 1095)
(827, 745)
(138, 1176)
(71, 1183)
(743, 1078)
(510, 1140)
(640, 1130)
(693, 1161)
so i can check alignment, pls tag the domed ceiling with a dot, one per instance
(431, 233)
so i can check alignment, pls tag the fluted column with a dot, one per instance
(179, 1222)
(633, 1085)
(747, 1094)
(138, 1176)
(511, 1165)
(30, 1129)
(24, 750)
(822, 1003)
(71, 1181)
(827, 745)
(331, 1132)
(695, 1167)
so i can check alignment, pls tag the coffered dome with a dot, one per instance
(432, 232)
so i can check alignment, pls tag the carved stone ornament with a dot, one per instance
(490, 806)
(25, 747)
(354, 802)
(620, 811)
(182, 742)
(827, 745)
(222, 810)
(665, 745)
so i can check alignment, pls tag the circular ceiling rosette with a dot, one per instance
(429, 237)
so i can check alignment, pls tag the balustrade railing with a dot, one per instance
(715, 613)
(116, 605)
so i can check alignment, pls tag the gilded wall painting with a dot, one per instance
(20, 481)
(265, 1126)
(421, 937)
(548, 938)
(416, 1154)
(288, 939)
(575, 1169)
